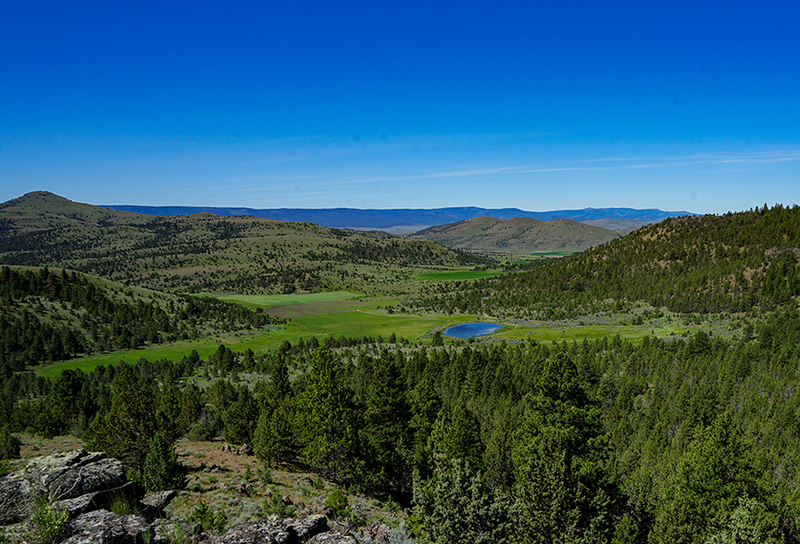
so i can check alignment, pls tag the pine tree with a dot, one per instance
(564, 492)
(385, 433)
(126, 429)
(328, 420)
(272, 439)
(162, 471)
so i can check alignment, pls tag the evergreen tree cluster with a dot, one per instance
(52, 316)
(735, 262)
(204, 253)
(608, 441)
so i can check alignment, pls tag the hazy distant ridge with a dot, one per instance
(388, 218)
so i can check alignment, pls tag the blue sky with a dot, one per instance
(537, 105)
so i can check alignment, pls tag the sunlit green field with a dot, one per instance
(269, 301)
(367, 319)
(364, 321)
(458, 275)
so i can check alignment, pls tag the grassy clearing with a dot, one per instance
(369, 319)
(458, 275)
(270, 301)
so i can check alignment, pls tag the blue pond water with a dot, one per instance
(468, 330)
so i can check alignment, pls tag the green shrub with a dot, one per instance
(264, 473)
(47, 523)
(338, 503)
(203, 515)
(274, 505)
(121, 505)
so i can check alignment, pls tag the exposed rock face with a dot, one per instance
(102, 526)
(14, 495)
(130, 492)
(78, 476)
(273, 530)
(307, 527)
(333, 538)
(85, 485)
(68, 475)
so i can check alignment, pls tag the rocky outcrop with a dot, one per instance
(14, 494)
(86, 486)
(273, 530)
(333, 538)
(68, 475)
(80, 481)
(102, 526)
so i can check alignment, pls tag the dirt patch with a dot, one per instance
(36, 446)
(314, 308)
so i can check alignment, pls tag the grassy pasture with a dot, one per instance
(458, 275)
(365, 320)
(326, 316)
(269, 301)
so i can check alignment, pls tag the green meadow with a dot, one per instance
(367, 319)
(269, 301)
(458, 275)
(350, 314)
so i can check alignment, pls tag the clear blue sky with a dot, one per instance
(538, 105)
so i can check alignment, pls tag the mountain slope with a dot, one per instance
(204, 252)
(41, 210)
(733, 262)
(519, 233)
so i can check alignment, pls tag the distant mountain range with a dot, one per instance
(410, 220)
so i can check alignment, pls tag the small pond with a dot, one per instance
(468, 330)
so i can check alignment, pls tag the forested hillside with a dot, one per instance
(49, 316)
(735, 262)
(205, 252)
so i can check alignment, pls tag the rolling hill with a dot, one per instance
(40, 211)
(519, 233)
(51, 315)
(204, 252)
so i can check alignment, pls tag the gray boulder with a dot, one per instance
(273, 530)
(102, 526)
(257, 532)
(57, 478)
(129, 493)
(332, 538)
(307, 527)
(14, 500)
(67, 475)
